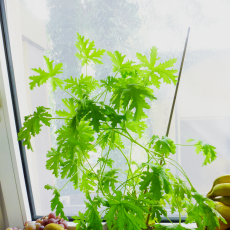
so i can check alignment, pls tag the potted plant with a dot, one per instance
(101, 116)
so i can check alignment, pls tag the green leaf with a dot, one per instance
(207, 150)
(169, 227)
(43, 76)
(137, 127)
(93, 113)
(164, 146)
(156, 73)
(157, 212)
(109, 83)
(32, 125)
(181, 189)
(203, 213)
(88, 182)
(87, 51)
(56, 203)
(108, 180)
(119, 65)
(80, 220)
(93, 217)
(132, 96)
(54, 161)
(77, 142)
(156, 181)
(110, 138)
(106, 161)
(112, 116)
(129, 216)
(50, 187)
(70, 169)
(71, 105)
(81, 86)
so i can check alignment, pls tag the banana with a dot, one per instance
(219, 190)
(223, 210)
(223, 226)
(220, 180)
(224, 199)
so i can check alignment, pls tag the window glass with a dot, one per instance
(129, 26)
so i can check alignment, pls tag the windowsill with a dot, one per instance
(72, 226)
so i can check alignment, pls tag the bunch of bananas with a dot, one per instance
(220, 193)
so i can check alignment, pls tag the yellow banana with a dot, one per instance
(223, 210)
(220, 180)
(219, 190)
(223, 226)
(224, 199)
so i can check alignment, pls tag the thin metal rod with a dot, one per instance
(178, 82)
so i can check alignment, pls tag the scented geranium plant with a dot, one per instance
(105, 117)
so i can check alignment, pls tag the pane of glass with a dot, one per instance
(201, 112)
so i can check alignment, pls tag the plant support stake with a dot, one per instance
(177, 85)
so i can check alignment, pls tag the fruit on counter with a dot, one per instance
(220, 180)
(224, 199)
(223, 210)
(13, 228)
(41, 223)
(223, 226)
(31, 226)
(53, 226)
(219, 190)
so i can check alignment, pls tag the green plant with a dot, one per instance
(104, 121)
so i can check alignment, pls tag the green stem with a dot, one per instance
(179, 212)
(60, 86)
(130, 154)
(131, 178)
(103, 166)
(67, 182)
(131, 139)
(99, 180)
(185, 175)
(105, 95)
(169, 220)
(98, 95)
(101, 95)
(127, 160)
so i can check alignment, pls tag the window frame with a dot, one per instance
(14, 183)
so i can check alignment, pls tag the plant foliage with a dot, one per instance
(102, 123)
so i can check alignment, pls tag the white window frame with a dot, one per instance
(14, 203)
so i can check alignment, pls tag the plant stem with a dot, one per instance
(101, 95)
(105, 95)
(185, 175)
(128, 171)
(99, 179)
(126, 181)
(60, 86)
(103, 166)
(131, 139)
(98, 95)
(147, 220)
(67, 182)
(127, 160)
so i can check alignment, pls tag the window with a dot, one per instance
(38, 28)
